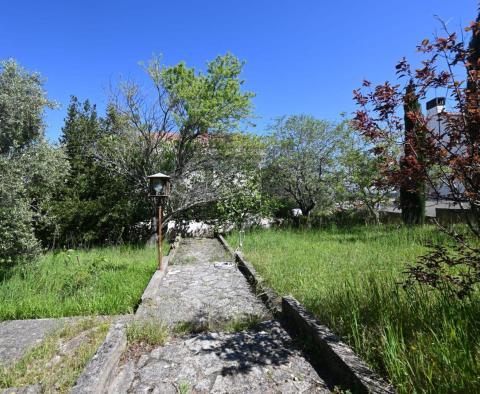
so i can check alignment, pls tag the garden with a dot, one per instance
(331, 212)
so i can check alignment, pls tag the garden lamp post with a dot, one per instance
(159, 190)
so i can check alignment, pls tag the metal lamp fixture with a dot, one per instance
(159, 190)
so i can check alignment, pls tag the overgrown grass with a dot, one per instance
(150, 332)
(58, 361)
(350, 278)
(106, 281)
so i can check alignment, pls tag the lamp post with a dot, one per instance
(159, 190)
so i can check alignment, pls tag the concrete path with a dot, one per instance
(19, 336)
(203, 286)
(262, 361)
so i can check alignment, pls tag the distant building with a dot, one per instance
(439, 198)
(436, 121)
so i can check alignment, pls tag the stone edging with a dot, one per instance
(269, 297)
(98, 374)
(340, 360)
(173, 249)
(337, 357)
(159, 274)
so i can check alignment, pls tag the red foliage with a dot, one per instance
(454, 150)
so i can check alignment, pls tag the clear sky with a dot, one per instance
(301, 56)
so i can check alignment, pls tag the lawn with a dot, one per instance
(105, 281)
(351, 280)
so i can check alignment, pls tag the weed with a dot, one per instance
(242, 324)
(183, 388)
(350, 279)
(150, 332)
(105, 281)
(50, 364)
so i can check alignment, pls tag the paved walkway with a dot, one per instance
(19, 336)
(201, 285)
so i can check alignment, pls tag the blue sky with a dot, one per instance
(301, 56)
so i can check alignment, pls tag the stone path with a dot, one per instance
(19, 336)
(196, 288)
(203, 287)
(262, 361)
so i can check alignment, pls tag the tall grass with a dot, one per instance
(106, 281)
(351, 279)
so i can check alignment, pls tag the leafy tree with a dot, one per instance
(360, 168)
(203, 103)
(31, 169)
(412, 166)
(453, 150)
(44, 170)
(22, 104)
(241, 198)
(171, 131)
(301, 161)
(17, 240)
(96, 206)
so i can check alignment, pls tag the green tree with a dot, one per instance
(301, 161)
(22, 104)
(412, 166)
(44, 170)
(241, 200)
(171, 131)
(360, 171)
(96, 206)
(31, 169)
(17, 241)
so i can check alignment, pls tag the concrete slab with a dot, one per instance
(19, 336)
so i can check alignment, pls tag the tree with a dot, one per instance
(31, 170)
(241, 200)
(44, 171)
(17, 240)
(301, 161)
(452, 151)
(172, 131)
(360, 168)
(22, 104)
(473, 66)
(412, 167)
(96, 205)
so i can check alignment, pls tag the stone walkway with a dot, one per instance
(202, 285)
(19, 336)
(262, 361)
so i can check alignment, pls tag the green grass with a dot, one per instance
(150, 332)
(350, 279)
(105, 281)
(57, 369)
